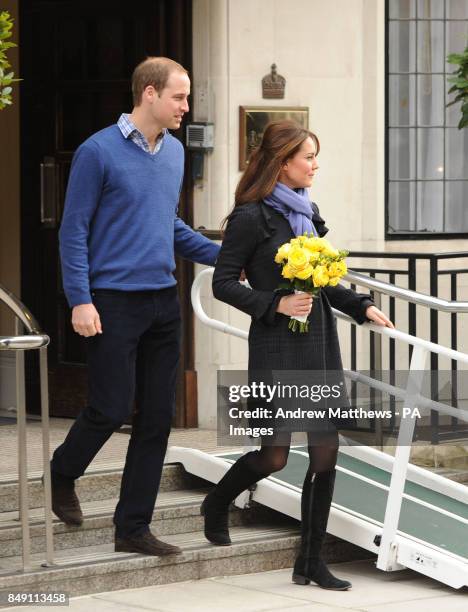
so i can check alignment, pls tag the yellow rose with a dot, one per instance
(342, 267)
(334, 280)
(314, 245)
(337, 268)
(286, 272)
(298, 259)
(305, 273)
(325, 244)
(330, 251)
(282, 253)
(320, 276)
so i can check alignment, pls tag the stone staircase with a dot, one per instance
(85, 558)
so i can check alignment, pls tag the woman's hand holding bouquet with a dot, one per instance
(308, 263)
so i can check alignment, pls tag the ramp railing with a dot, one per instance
(411, 395)
(28, 336)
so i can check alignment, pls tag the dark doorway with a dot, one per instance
(77, 57)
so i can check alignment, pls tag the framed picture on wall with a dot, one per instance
(253, 120)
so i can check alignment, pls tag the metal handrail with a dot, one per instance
(35, 340)
(414, 297)
(25, 343)
(385, 331)
(19, 310)
(387, 557)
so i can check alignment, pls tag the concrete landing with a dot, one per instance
(373, 591)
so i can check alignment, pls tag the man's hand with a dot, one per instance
(86, 321)
(377, 316)
(295, 304)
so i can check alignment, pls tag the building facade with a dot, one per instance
(334, 56)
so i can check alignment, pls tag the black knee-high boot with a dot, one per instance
(316, 500)
(216, 504)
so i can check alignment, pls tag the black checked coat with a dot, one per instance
(254, 233)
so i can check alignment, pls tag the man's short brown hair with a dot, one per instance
(153, 71)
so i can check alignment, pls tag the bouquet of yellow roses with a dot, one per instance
(310, 263)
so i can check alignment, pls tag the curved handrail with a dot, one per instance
(17, 343)
(20, 310)
(414, 297)
(204, 318)
(385, 331)
(424, 345)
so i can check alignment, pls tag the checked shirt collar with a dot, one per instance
(129, 130)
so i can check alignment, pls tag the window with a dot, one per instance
(427, 155)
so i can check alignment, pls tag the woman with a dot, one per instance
(271, 207)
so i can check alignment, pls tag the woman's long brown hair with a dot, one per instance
(281, 141)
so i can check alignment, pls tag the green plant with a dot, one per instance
(6, 78)
(459, 82)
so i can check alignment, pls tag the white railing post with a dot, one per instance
(387, 558)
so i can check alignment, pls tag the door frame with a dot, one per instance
(186, 395)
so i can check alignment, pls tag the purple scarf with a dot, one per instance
(295, 206)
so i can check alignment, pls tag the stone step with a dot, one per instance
(97, 484)
(97, 568)
(85, 561)
(104, 483)
(176, 512)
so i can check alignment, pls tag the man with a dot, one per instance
(117, 241)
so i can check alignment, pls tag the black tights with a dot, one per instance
(273, 455)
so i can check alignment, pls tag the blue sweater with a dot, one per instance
(120, 226)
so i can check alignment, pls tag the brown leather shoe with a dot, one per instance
(146, 544)
(65, 503)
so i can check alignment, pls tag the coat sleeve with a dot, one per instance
(350, 302)
(237, 249)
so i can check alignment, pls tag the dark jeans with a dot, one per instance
(135, 357)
